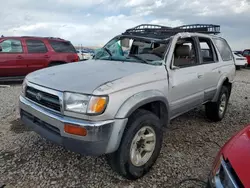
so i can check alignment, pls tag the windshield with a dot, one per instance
(133, 50)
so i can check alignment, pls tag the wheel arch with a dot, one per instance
(224, 81)
(151, 100)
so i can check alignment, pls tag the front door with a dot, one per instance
(12, 61)
(185, 77)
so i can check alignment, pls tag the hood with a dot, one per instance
(86, 76)
(237, 151)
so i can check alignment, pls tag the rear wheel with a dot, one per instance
(216, 110)
(237, 67)
(140, 146)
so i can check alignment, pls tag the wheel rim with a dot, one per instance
(142, 146)
(223, 103)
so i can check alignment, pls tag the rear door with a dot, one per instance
(12, 58)
(209, 67)
(37, 56)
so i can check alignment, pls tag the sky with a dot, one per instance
(93, 23)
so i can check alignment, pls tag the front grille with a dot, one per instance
(40, 123)
(46, 99)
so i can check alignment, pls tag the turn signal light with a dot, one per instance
(76, 130)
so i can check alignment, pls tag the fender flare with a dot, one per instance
(219, 86)
(139, 99)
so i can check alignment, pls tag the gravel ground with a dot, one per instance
(190, 145)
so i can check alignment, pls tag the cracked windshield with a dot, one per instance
(133, 50)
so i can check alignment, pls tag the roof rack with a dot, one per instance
(161, 32)
(41, 37)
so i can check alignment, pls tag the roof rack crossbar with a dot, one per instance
(161, 32)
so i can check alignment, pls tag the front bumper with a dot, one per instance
(102, 137)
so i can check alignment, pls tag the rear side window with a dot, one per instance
(62, 46)
(36, 46)
(11, 46)
(224, 49)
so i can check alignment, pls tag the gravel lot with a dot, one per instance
(190, 145)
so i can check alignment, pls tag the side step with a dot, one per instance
(12, 79)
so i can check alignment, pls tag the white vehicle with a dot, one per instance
(240, 60)
(84, 54)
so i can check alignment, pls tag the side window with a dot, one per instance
(185, 53)
(208, 53)
(224, 49)
(36, 46)
(11, 46)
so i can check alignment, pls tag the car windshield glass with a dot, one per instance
(136, 50)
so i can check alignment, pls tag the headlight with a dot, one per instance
(217, 165)
(222, 174)
(85, 104)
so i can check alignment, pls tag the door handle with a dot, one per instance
(200, 75)
(19, 57)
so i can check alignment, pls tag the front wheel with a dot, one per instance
(140, 146)
(215, 111)
(237, 67)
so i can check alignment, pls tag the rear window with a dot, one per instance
(62, 46)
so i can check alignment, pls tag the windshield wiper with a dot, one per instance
(108, 51)
(139, 58)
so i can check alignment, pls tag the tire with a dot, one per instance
(121, 160)
(54, 64)
(238, 67)
(213, 110)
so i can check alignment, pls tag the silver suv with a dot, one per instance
(119, 102)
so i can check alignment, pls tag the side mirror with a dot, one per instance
(1, 49)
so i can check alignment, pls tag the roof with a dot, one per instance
(163, 32)
(33, 37)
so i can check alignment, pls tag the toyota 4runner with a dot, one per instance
(118, 103)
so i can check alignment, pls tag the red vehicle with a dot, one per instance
(246, 53)
(22, 55)
(232, 164)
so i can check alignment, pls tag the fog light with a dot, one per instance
(76, 130)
